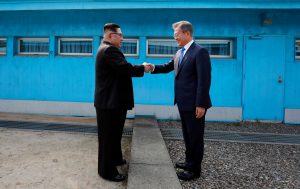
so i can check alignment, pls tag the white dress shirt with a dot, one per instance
(187, 46)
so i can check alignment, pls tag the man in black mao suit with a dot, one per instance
(113, 97)
(192, 83)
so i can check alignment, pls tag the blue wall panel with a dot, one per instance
(72, 78)
(39, 78)
(292, 75)
(292, 85)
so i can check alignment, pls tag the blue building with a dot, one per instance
(48, 49)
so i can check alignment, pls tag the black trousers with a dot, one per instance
(110, 124)
(193, 133)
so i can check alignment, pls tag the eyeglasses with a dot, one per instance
(119, 34)
(176, 35)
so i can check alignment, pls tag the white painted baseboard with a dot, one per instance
(48, 107)
(87, 109)
(292, 116)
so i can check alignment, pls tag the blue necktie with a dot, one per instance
(181, 55)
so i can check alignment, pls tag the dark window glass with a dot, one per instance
(130, 47)
(2, 46)
(75, 46)
(157, 47)
(33, 46)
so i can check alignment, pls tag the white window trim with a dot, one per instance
(297, 57)
(74, 39)
(33, 39)
(218, 41)
(4, 53)
(158, 55)
(137, 46)
(209, 41)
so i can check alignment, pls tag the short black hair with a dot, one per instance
(110, 27)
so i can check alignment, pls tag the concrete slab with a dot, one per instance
(145, 121)
(153, 176)
(148, 147)
(150, 165)
(52, 160)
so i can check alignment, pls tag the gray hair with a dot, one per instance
(184, 26)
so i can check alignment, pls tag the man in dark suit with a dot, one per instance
(192, 83)
(113, 97)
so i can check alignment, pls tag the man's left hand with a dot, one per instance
(199, 112)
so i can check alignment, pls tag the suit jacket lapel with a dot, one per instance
(186, 57)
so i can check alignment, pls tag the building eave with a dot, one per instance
(78, 5)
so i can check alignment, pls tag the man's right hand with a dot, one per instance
(148, 67)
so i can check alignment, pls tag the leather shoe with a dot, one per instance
(188, 175)
(181, 165)
(117, 178)
(122, 162)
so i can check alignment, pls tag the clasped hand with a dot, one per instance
(148, 67)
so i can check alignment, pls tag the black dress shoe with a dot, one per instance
(117, 178)
(181, 165)
(122, 162)
(188, 175)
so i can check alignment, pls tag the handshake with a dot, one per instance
(148, 67)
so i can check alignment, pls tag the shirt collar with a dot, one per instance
(187, 46)
(106, 42)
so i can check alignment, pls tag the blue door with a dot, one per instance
(263, 78)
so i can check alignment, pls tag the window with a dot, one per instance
(168, 47)
(75, 46)
(297, 49)
(33, 46)
(2, 46)
(130, 47)
(161, 47)
(217, 48)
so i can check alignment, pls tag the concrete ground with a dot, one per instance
(60, 160)
(52, 160)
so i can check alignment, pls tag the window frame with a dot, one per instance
(59, 39)
(33, 39)
(2, 53)
(230, 56)
(158, 55)
(137, 47)
(297, 57)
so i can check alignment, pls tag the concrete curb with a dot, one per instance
(150, 165)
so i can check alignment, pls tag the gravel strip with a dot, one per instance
(261, 127)
(243, 165)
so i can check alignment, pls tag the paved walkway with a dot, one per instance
(150, 165)
(53, 160)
